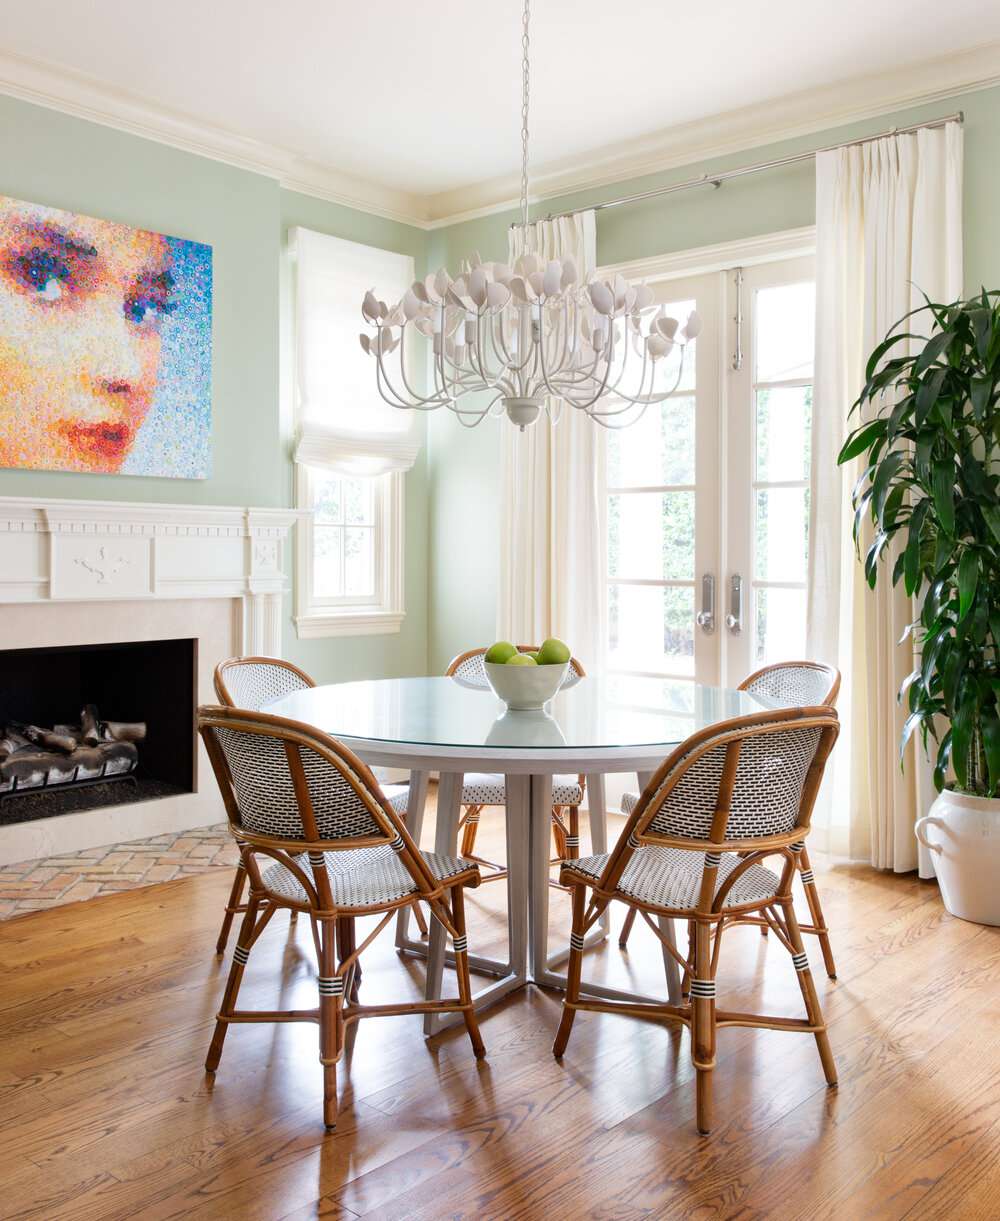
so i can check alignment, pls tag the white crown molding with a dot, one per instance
(76, 94)
(795, 115)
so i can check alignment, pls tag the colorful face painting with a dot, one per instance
(105, 346)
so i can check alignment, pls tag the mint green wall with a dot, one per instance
(50, 158)
(465, 524)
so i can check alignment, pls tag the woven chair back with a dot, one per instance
(251, 682)
(795, 684)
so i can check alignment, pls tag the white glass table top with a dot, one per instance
(594, 714)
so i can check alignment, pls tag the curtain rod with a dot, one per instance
(716, 180)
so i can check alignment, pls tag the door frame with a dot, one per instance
(712, 658)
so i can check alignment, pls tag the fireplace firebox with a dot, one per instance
(87, 726)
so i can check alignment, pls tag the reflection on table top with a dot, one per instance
(597, 713)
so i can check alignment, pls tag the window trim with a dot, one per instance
(316, 618)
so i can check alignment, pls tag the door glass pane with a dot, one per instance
(784, 432)
(784, 326)
(651, 536)
(781, 534)
(780, 629)
(655, 451)
(327, 542)
(651, 629)
(358, 565)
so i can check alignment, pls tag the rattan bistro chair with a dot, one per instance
(251, 682)
(317, 835)
(788, 684)
(482, 789)
(725, 800)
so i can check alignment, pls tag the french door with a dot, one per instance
(708, 494)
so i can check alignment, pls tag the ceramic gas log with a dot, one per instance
(34, 757)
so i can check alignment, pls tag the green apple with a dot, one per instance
(500, 652)
(521, 659)
(553, 652)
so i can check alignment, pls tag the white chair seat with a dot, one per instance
(487, 789)
(629, 802)
(362, 877)
(671, 877)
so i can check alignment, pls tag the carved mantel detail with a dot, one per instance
(85, 550)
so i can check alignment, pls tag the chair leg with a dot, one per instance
(559, 835)
(572, 972)
(816, 911)
(421, 919)
(627, 928)
(240, 955)
(346, 943)
(232, 907)
(471, 826)
(686, 978)
(331, 999)
(462, 972)
(814, 1010)
(573, 839)
(703, 1024)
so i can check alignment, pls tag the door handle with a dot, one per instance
(734, 620)
(706, 616)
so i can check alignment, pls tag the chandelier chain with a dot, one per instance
(525, 97)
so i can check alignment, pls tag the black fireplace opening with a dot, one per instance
(87, 726)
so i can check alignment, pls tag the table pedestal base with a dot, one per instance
(528, 823)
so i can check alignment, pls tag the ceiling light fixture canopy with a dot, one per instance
(520, 337)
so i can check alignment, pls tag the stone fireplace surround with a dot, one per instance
(94, 572)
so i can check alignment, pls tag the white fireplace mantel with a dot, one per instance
(75, 572)
(93, 551)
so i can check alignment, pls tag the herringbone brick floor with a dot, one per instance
(54, 880)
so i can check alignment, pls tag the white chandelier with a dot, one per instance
(518, 337)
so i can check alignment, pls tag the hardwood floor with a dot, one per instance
(106, 1011)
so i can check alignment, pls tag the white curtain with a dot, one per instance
(552, 480)
(888, 225)
(344, 424)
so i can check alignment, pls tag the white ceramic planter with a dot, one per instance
(963, 833)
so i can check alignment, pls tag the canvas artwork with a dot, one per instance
(105, 346)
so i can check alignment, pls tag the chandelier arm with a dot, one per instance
(646, 400)
(385, 385)
(480, 415)
(572, 398)
(392, 396)
(414, 396)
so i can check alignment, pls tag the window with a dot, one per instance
(352, 449)
(349, 579)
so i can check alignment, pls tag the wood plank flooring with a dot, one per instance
(106, 1010)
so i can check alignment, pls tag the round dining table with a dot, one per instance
(593, 726)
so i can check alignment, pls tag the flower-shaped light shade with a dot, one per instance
(527, 334)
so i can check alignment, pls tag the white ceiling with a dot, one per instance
(424, 98)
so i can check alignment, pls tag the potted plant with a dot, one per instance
(930, 489)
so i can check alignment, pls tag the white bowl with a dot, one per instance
(525, 688)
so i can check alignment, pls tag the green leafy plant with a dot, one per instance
(931, 489)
